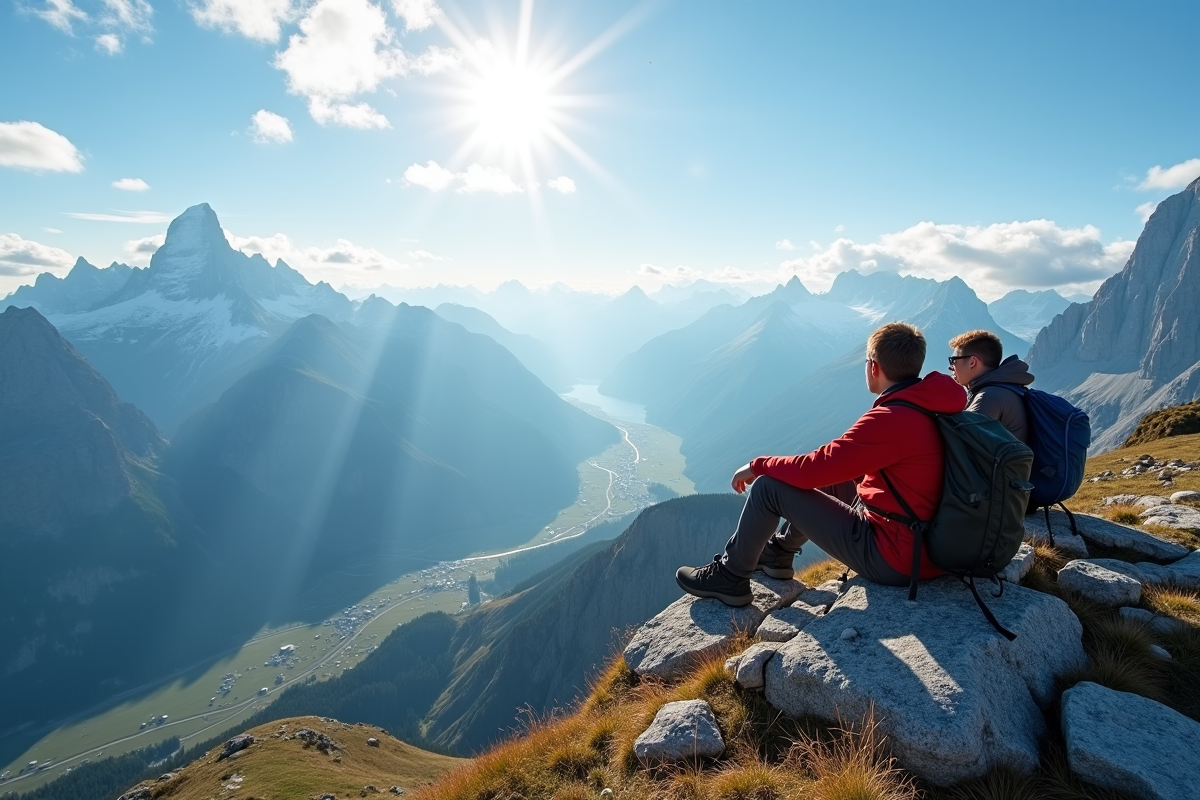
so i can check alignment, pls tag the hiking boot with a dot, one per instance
(776, 562)
(713, 580)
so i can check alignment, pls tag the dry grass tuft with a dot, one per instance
(1122, 513)
(1176, 535)
(821, 571)
(1182, 604)
(999, 784)
(854, 765)
(1119, 657)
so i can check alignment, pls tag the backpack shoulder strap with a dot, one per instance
(915, 524)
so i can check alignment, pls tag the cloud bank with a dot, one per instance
(33, 147)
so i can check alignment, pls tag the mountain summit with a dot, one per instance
(1134, 348)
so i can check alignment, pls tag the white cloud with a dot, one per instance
(784, 244)
(131, 185)
(34, 147)
(1145, 210)
(431, 176)
(348, 115)
(562, 184)
(20, 257)
(1171, 178)
(418, 14)
(62, 14)
(346, 48)
(139, 251)
(425, 255)
(679, 272)
(255, 19)
(131, 15)
(839, 228)
(51, 230)
(270, 128)
(992, 259)
(136, 217)
(487, 179)
(109, 43)
(343, 263)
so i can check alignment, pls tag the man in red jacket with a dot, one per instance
(837, 495)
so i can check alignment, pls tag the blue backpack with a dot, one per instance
(1060, 435)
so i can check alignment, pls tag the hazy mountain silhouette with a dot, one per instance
(82, 288)
(807, 413)
(1026, 313)
(365, 452)
(535, 354)
(1135, 347)
(172, 336)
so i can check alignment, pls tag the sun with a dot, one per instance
(510, 105)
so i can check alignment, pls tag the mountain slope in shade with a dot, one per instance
(83, 287)
(174, 335)
(810, 412)
(86, 535)
(1134, 348)
(368, 452)
(1026, 313)
(535, 354)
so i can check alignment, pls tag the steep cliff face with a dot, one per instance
(1141, 332)
(67, 442)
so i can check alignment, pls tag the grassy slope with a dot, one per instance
(279, 766)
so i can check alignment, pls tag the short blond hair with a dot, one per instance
(984, 345)
(899, 350)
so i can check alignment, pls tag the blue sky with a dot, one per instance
(1012, 144)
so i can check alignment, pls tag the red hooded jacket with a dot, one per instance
(901, 440)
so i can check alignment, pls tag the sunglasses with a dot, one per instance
(952, 359)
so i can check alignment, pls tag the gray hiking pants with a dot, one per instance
(833, 518)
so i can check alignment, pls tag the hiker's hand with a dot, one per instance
(743, 478)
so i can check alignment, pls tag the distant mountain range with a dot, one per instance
(1026, 313)
(536, 355)
(782, 373)
(1135, 347)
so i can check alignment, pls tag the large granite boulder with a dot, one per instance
(1185, 572)
(1126, 742)
(954, 697)
(1100, 532)
(1099, 584)
(681, 731)
(692, 628)
(1181, 517)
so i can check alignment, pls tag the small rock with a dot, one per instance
(372, 741)
(681, 731)
(784, 623)
(368, 789)
(849, 635)
(748, 671)
(1120, 500)
(235, 745)
(1161, 652)
(166, 776)
(1100, 585)
(1185, 496)
(326, 796)
(316, 739)
(1180, 517)
(1019, 567)
(137, 793)
(1149, 501)
(1122, 741)
(1166, 474)
(396, 790)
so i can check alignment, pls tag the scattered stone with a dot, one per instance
(166, 776)
(954, 697)
(1103, 533)
(691, 628)
(235, 745)
(784, 623)
(368, 789)
(1149, 501)
(1185, 496)
(1185, 572)
(326, 796)
(1122, 741)
(137, 793)
(372, 741)
(1020, 565)
(1160, 652)
(316, 739)
(1181, 517)
(396, 790)
(748, 667)
(849, 635)
(1120, 500)
(1102, 586)
(681, 731)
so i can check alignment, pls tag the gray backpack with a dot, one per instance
(980, 521)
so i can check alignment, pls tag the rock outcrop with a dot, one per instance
(1126, 742)
(681, 731)
(953, 696)
(1100, 585)
(1099, 532)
